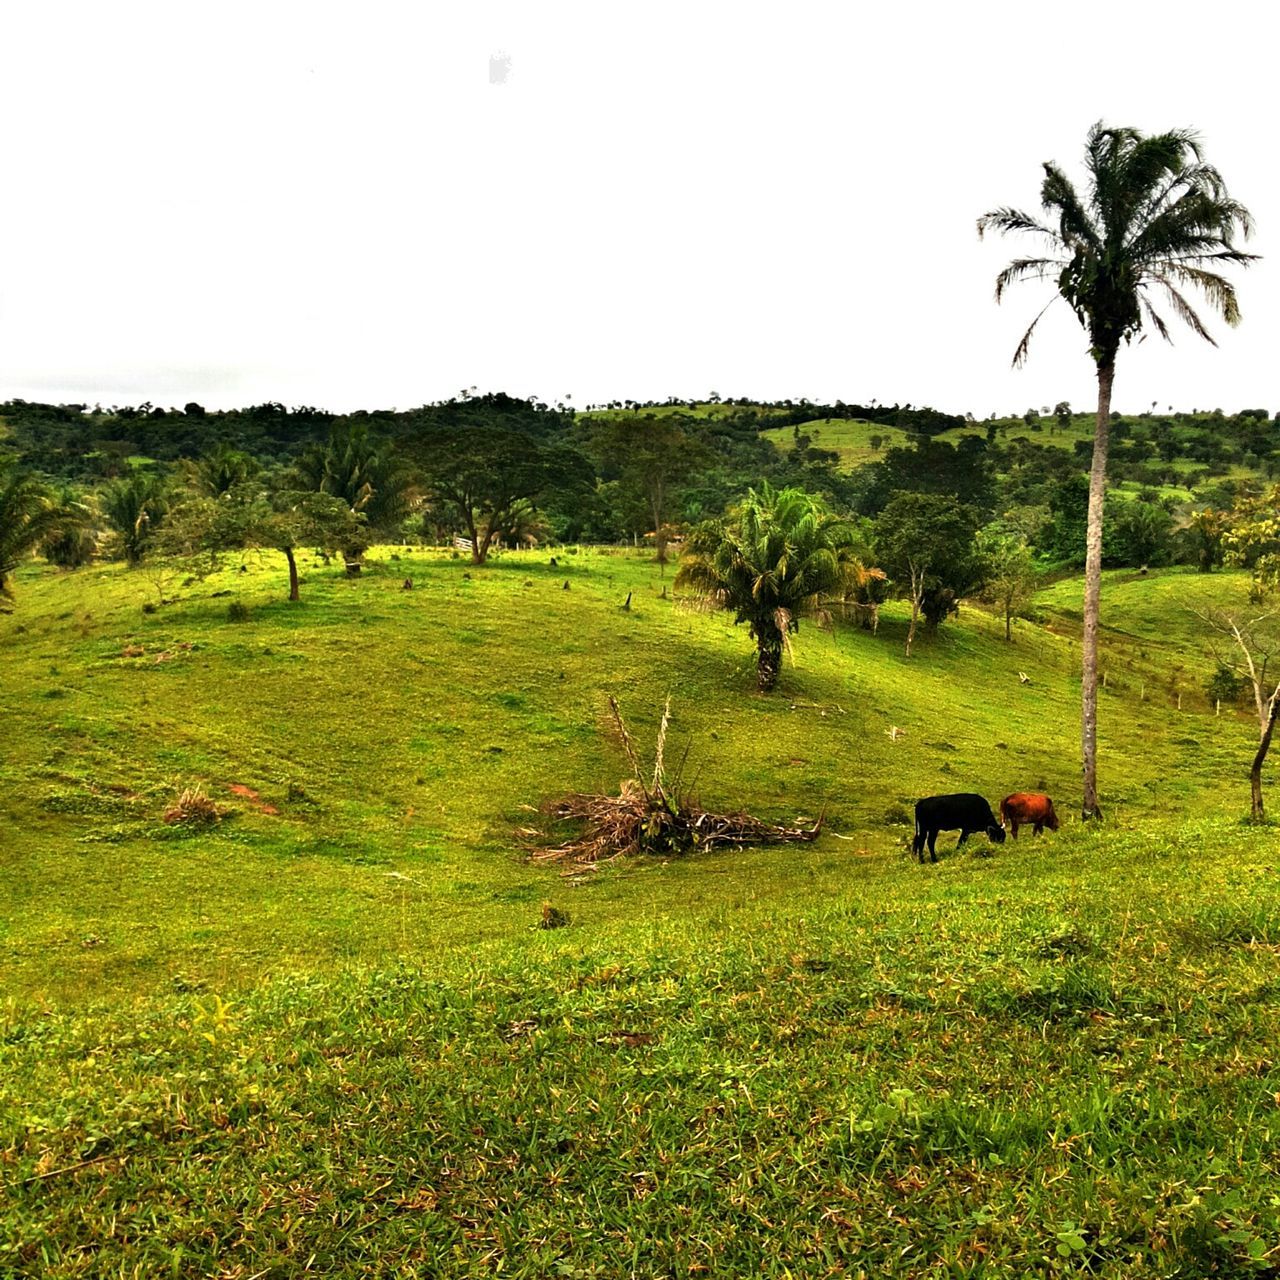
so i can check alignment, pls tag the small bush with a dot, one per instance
(149, 606)
(192, 808)
(237, 611)
(1224, 686)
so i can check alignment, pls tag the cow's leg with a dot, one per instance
(1013, 830)
(933, 840)
(1038, 829)
(964, 835)
(917, 843)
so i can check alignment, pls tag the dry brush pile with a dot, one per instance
(649, 815)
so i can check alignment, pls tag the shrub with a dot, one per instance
(1223, 686)
(237, 611)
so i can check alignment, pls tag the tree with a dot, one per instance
(368, 477)
(286, 519)
(1155, 218)
(1009, 570)
(925, 542)
(1252, 540)
(648, 457)
(488, 479)
(74, 541)
(1250, 648)
(220, 471)
(135, 507)
(1138, 533)
(28, 515)
(962, 471)
(772, 561)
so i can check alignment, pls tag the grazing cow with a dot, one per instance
(965, 813)
(1027, 808)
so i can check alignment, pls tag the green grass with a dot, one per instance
(849, 437)
(332, 1037)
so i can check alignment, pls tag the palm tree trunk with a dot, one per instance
(769, 658)
(1255, 772)
(293, 573)
(1092, 591)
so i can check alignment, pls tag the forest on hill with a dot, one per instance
(630, 470)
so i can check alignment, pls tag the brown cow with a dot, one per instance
(1026, 808)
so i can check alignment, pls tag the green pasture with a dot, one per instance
(849, 437)
(326, 1037)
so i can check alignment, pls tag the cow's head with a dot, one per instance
(995, 835)
(1053, 824)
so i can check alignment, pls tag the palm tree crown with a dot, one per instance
(778, 555)
(1156, 220)
(28, 515)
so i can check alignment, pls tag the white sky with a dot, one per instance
(332, 205)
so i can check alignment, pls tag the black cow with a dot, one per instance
(965, 813)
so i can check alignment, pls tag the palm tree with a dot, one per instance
(134, 506)
(220, 471)
(28, 515)
(1155, 220)
(364, 473)
(776, 557)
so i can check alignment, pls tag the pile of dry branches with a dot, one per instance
(649, 816)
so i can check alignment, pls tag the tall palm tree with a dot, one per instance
(28, 515)
(1155, 220)
(775, 558)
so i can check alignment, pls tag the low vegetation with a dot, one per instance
(331, 1029)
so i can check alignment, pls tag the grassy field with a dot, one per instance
(326, 1037)
(849, 437)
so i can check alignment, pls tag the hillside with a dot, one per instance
(331, 1036)
(412, 726)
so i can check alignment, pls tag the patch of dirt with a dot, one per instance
(254, 798)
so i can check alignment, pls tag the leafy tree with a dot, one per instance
(487, 479)
(369, 478)
(648, 457)
(1252, 539)
(1009, 570)
(772, 561)
(925, 542)
(1062, 412)
(28, 515)
(1138, 533)
(933, 466)
(135, 506)
(286, 519)
(1155, 217)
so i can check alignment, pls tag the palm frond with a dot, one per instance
(1027, 269)
(1024, 347)
(1007, 220)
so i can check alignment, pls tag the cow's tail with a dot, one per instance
(1004, 812)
